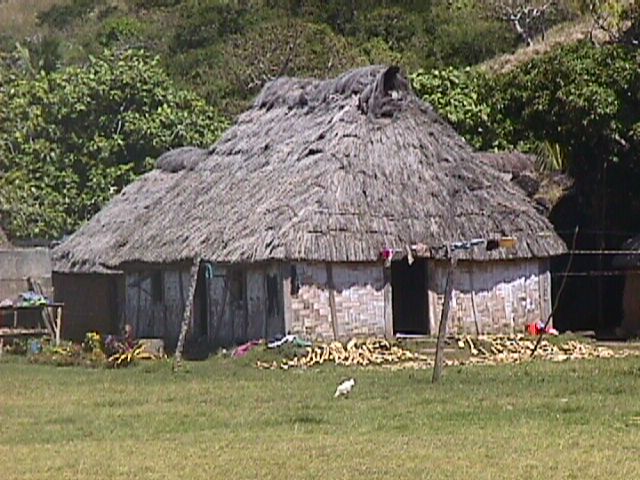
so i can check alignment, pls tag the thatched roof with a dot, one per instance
(544, 188)
(91, 248)
(628, 260)
(513, 163)
(331, 170)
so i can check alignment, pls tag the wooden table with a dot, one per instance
(51, 314)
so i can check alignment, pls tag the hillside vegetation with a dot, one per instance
(92, 90)
(225, 50)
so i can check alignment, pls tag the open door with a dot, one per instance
(274, 308)
(201, 305)
(409, 287)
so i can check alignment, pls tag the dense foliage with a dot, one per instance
(587, 100)
(582, 99)
(76, 125)
(462, 97)
(226, 49)
(70, 139)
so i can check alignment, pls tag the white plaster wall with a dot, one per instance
(500, 297)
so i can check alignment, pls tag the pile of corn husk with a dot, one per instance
(356, 352)
(483, 350)
(516, 348)
(512, 349)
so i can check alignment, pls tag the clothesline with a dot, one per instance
(595, 273)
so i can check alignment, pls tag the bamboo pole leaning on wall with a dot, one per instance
(187, 314)
(332, 300)
(442, 328)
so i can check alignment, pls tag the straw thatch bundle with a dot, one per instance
(4, 240)
(546, 189)
(513, 163)
(332, 170)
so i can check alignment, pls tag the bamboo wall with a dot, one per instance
(264, 300)
(156, 317)
(359, 300)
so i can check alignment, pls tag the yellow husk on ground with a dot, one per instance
(483, 350)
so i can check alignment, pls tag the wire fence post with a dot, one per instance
(444, 317)
(557, 301)
(489, 245)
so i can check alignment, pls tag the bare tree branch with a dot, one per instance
(528, 18)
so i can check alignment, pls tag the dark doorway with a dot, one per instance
(409, 287)
(201, 302)
(274, 324)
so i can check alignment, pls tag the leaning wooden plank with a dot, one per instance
(58, 324)
(186, 317)
(442, 328)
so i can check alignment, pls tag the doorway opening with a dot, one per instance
(201, 303)
(410, 305)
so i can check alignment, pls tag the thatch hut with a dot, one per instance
(289, 212)
(631, 295)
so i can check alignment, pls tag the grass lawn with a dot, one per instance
(223, 419)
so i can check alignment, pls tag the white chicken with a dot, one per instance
(344, 389)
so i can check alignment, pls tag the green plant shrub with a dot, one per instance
(71, 139)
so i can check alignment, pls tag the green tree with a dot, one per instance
(578, 106)
(466, 35)
(585, 99)
(463, 98)
(70, 139)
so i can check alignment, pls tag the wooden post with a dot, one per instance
(442, 328)
(388, 305)
(187, 314)
(602, 242)
(332, 300)
(58, 324)
(473, 300)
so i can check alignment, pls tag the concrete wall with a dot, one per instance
(501, 296)
(631, 305)
(359, 300)
(16, 265)
(91, 303)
